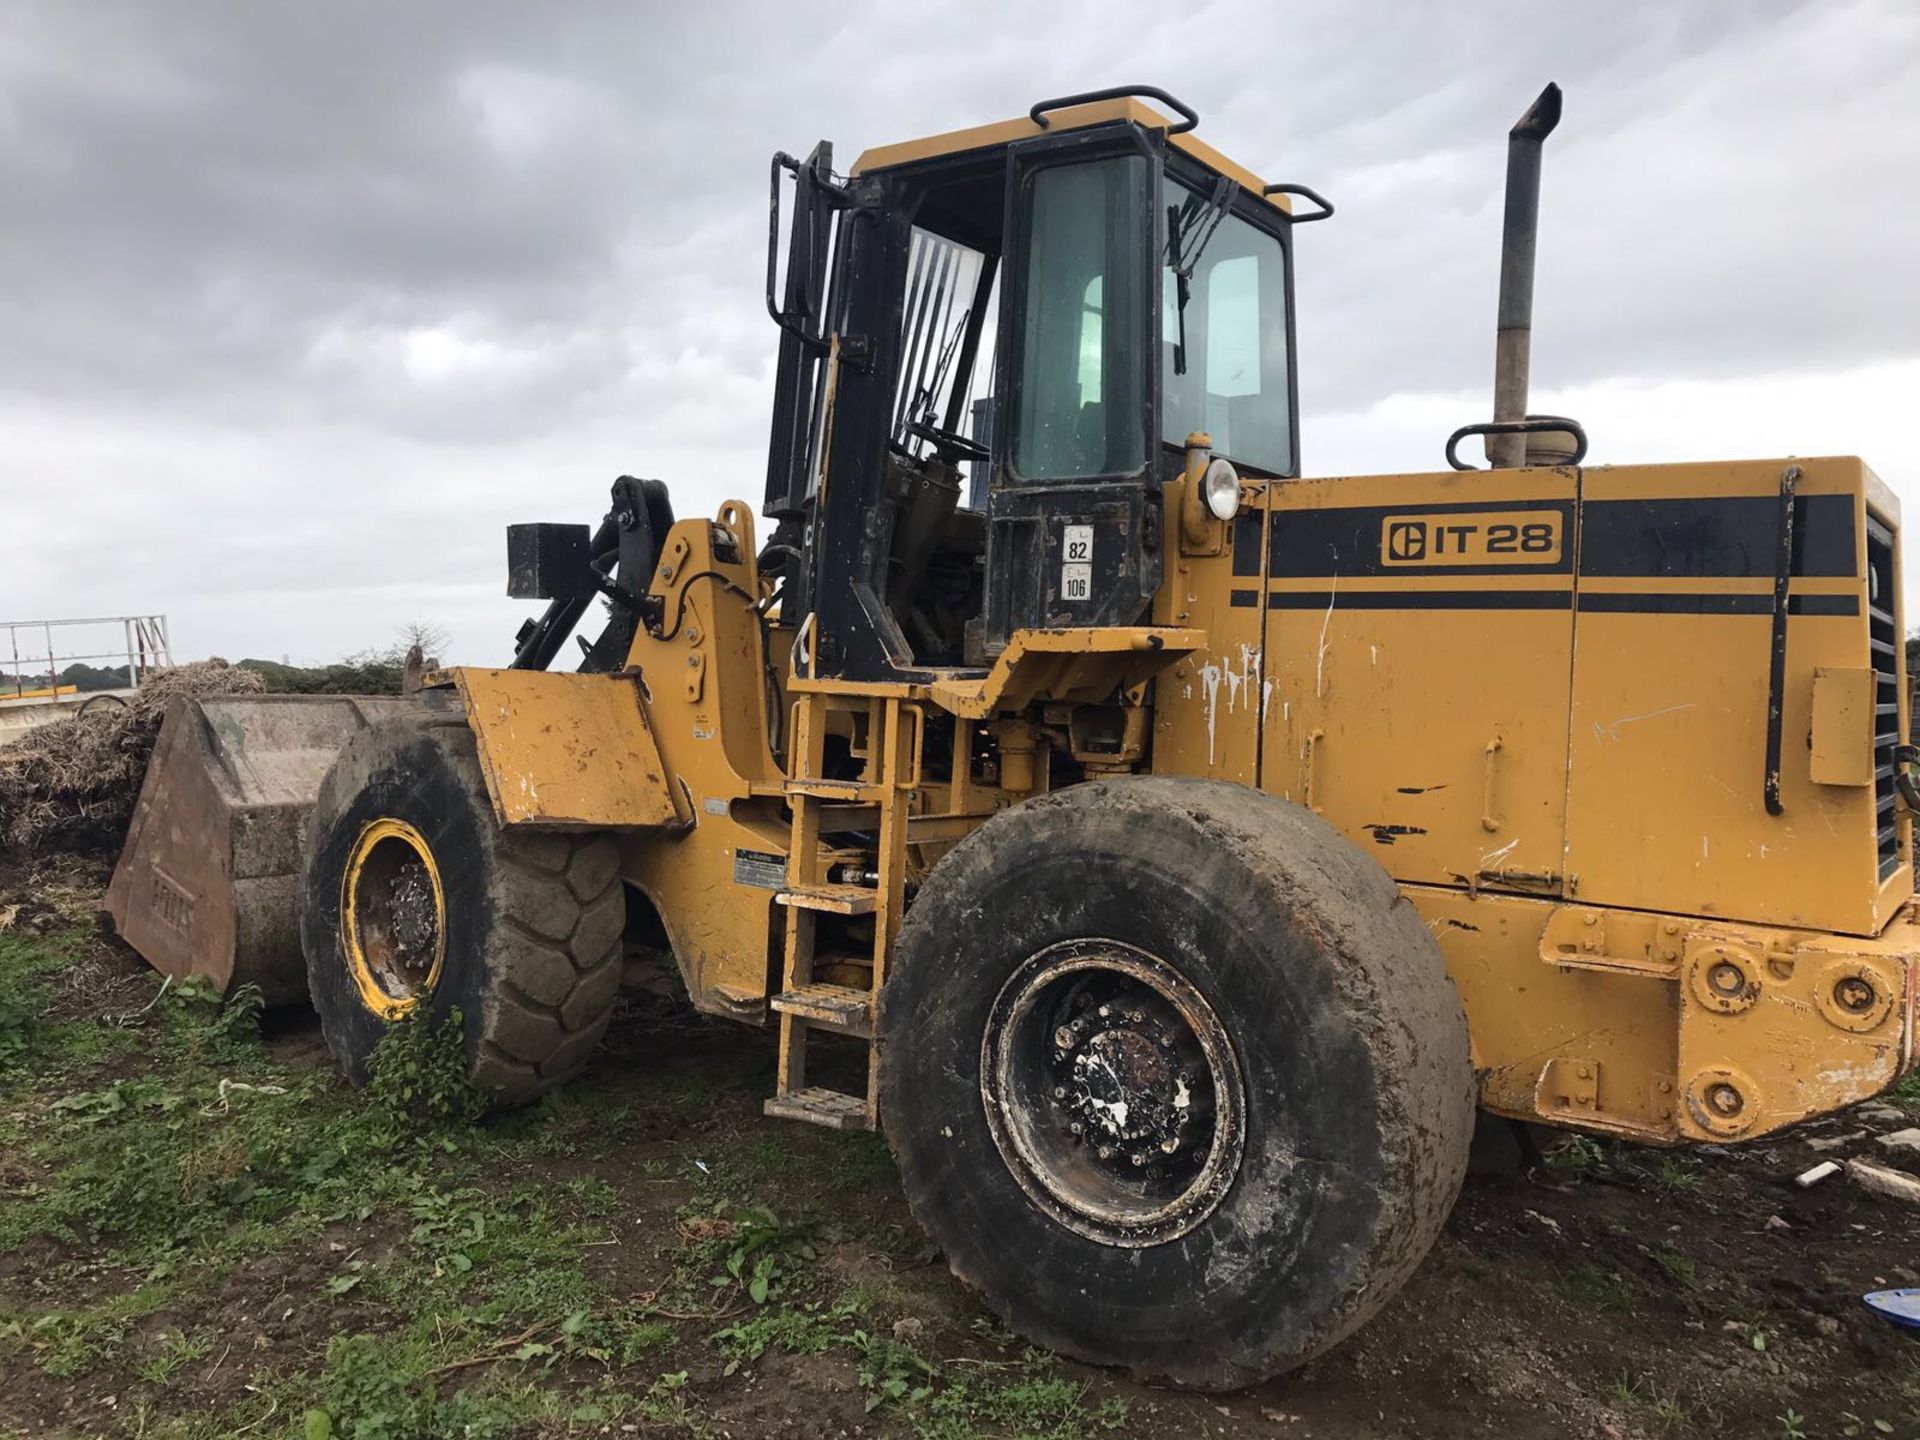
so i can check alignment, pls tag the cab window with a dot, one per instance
(1223, 354)
(1082, 354)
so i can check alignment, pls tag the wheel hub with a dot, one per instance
(1125, 1086)
(1112, 1092)
(392, 917)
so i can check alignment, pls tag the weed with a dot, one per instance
(1663, 1409)
(597, 1198)
(1580, 1154)
(217, 1028)
(863, 1160)
(1672, 1175)
(1792, 1424)
(891, 1372)
(1678, 1267)
(1038, 1405)
(1599, 1287)
(419, 1075)
(1852, 1425)
(176, 1350)
(65, 1343)
(25, 966)
(757, 1251)
(803, 1331)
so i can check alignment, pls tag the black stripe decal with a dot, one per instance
(1696, 536)
(1246, 542)
(1601, 602)
(1725, 535)
(1639, 603)
(1823, 605)
(1669, 604)
(1346, 542)
(1421, 599)
(1244, 599)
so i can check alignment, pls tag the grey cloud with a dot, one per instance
(320, 296)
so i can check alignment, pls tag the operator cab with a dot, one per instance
(996, 345)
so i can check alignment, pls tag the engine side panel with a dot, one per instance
(1674, 630)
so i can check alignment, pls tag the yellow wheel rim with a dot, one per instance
(393, 917)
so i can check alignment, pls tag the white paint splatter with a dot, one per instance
(1612, 732)
(1326, 621)
(1486, 860)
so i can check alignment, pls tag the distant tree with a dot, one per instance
(87, 677)
(432, 639)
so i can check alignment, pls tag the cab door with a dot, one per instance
(1419, 642)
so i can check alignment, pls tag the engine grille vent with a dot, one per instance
(1884, 644)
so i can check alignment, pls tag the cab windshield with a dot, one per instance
(1223, 354)
(1082, 354)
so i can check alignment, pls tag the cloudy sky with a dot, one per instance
(301, 304)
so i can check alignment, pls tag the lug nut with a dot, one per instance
(1139, 1160)
(1726, 978)
(1725, 1099)
(1059, 1092)
(1064, 1037)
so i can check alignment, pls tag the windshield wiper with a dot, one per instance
(1186, 224)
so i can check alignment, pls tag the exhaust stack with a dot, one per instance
(1513, 350)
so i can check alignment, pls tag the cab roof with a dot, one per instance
(1071, 117)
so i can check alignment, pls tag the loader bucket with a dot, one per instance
(209, 880)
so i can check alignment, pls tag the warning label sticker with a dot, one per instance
(761, 868)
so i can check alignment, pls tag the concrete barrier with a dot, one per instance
(19, 716)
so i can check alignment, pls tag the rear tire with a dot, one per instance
(1175, 1076)
(414, 898)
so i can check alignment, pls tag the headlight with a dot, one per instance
(1220, 487)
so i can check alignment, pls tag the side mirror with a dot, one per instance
(550, 562)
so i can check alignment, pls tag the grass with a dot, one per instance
(1674, 1174)
(162, 1166)
(1641, 1395)
(1675, 1263)
(1596, 1286)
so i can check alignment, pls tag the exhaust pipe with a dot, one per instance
(1513, 350)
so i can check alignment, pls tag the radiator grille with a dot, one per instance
(1884, 644)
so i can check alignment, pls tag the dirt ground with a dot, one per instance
(203, 1232)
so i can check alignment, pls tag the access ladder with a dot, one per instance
(821, 809)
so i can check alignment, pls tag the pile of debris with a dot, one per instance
(71, 786)
(1881, 1156)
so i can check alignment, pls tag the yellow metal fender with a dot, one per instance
(568, 750)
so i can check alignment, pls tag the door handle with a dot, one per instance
(1488, 821)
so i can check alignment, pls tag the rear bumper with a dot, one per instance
(1829, 1023)
(1672, 1028)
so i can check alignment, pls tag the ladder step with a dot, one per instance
(839, 1006)
(833, 899)
(817, 1105)
(846, 792)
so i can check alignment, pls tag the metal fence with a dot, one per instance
(35, 653)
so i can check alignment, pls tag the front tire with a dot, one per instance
(1175, 1077)
(414, 900)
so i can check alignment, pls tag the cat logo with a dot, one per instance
(1406, 541)
(1472, 537)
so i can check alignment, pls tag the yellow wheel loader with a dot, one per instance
(1188, 846)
